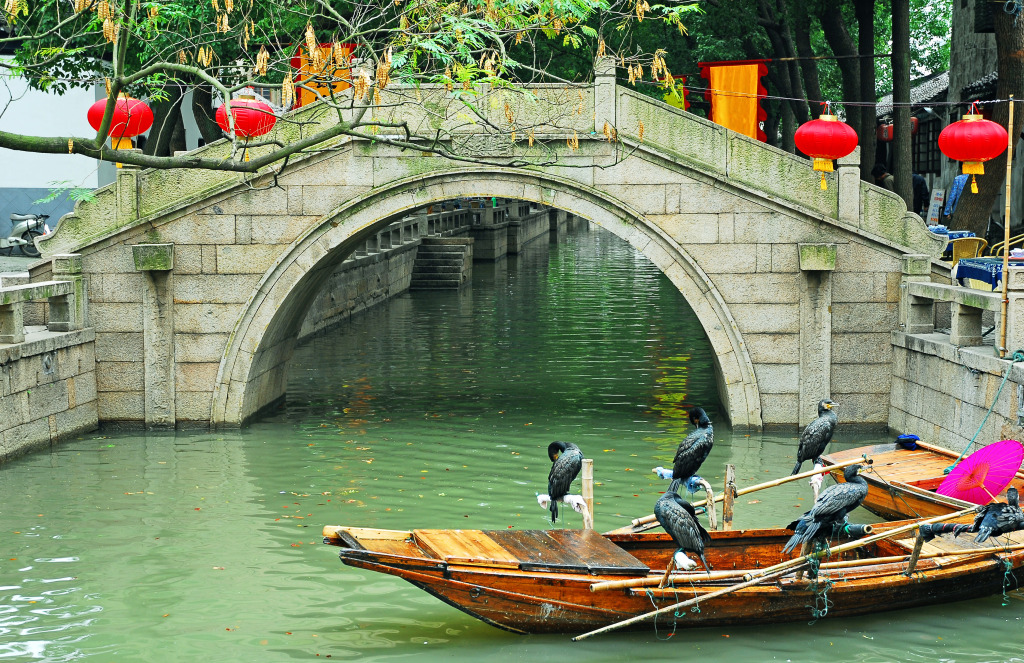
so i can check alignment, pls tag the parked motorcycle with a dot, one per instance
(24, 229)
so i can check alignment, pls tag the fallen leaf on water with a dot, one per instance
(754, 502)
(218, 568)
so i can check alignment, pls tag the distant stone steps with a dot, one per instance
(442, 264)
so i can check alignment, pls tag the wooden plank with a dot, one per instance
(537, 550)
(601, 555)
(469, 547)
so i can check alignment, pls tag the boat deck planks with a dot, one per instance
(470, 547)
(579, 551)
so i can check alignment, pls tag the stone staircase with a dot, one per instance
(442, 263)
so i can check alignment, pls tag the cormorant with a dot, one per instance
(829, 509)
(817, 435)
(566, 462)
(694, 450)
(998, 518)
(679, 519)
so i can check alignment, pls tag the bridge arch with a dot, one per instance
(253, 373)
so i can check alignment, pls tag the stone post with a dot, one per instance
(1014, 311)
(12, 323)
(157, 261)
(849, 188)
(817, 262)
(69, 312)
(604, 93)
(917, 315)
(127, 188)
(965, 326)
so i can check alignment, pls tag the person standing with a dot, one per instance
(922, 194)
(883, 178)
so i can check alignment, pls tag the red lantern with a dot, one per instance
(885, 130)
(131, 117)
(973, 140)
(252, 118)
(823, 140)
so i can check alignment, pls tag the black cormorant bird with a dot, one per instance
(998, 518)
(829, 509)
(694, 450)
(817, 435)
(679, 519)
(566, 462)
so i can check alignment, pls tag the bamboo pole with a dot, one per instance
(684, 604)
(768, 484)
(863, 542)
(728, 496)
(588, 492)
(778, 570)
(1006, 234)
(651, 581)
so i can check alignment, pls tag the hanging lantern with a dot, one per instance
(131, 117)
(885, 130)
(252, 118)
(973, 140)
(825, 139)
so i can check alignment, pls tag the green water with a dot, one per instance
(433, 411)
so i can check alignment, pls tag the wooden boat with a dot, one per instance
(902, 482)
(542, 581)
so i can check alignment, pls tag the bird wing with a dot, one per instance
(838, 500)
(815, 438)
(692, 452)
(1009, 518)
(684, 530)
(563, 472)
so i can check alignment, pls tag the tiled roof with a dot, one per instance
(923, 90)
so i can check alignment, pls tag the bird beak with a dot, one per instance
(831, 405)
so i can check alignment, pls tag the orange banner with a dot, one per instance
(340, 78)
(735, 93)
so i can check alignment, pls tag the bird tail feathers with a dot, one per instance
(553, 508)
(983, 535)
(796, 468)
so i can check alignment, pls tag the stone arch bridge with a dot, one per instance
(796, 287)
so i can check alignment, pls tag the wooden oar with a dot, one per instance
(684, 604)
(768, 484)
(910, 527)
(781, 569)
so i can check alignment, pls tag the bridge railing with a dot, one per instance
(66, 296)
(919, 296)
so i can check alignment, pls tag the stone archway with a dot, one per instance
(252, 372)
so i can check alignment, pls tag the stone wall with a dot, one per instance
(358, 284)
(526, 228)
(942, 392)
(47, 390)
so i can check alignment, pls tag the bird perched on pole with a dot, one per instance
(679, 519)
(694, 450)
(830, 509)
(817, 435)
(566, 462)
(998, 518)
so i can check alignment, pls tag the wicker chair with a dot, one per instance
(967, 247)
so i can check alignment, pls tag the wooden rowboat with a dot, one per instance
(902, 482)
(551, 581)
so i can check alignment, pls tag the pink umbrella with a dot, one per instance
(985, 473)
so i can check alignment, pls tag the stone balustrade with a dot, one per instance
(919, 296)
(65, 294)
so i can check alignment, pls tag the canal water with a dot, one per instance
(432, 411)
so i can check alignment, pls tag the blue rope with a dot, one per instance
(1017, 356)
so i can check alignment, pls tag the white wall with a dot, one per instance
(41, 114)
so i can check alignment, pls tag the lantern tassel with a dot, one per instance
(974, 184)
(824, 185)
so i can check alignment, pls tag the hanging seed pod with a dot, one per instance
(216, 7)
(310, 40)
(154, 11)
(182, 57)
(110, 30)
(640, 130)
(529, 138)
(287, 91)
(600, 47)
(81, 5)
(71, 146)
(513, 135)
(229, 5)
(106, 81)
(102, 10)
(519, 37)
(448, 79)
(376, 96)
(509, 115)
(262, 60)
(573, 141)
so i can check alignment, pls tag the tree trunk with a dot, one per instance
(901, 155)
(166, 115)
(839, 40)
(865, 12)
(809, 67)
(202, 111)
(973, 210)
(772, 18)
